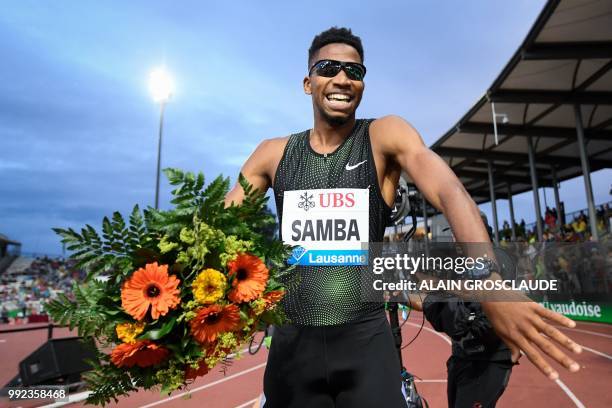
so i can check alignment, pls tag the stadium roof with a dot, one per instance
(565, 61)
(5, 239)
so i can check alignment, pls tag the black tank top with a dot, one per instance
(330, 295)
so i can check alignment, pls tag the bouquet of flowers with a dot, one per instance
(172, 294)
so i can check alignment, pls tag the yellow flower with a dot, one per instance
(127, 332)
(209, 286)
(233, 246)
(228, 340)
(226, 343)
(165, 245)
(187, 236)
(258, 306)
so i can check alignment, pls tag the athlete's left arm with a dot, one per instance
(401, 143)
(521, 324)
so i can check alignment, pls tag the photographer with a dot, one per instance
(480, 365)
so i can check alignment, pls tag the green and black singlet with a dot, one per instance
(330, 295)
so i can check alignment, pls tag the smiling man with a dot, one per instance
(334, 186)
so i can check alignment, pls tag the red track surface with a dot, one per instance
(425, 357)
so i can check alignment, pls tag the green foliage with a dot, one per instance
(190, 198)
(113, 252)
(158, 333)
(251, 221)
(199, 231)
(87, 313)
(107, 382)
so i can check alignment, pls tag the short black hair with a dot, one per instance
(334, 35)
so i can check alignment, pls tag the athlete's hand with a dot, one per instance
(526, 326)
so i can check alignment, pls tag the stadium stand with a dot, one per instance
(28, 283)
(9, 251)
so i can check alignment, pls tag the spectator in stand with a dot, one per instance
(601, 226)
(522, 232)
(581, 228)
(602, 219)
(506, 231)
(549, 219)
(600, 212)
(29, 289)
(570, 234)
(532, 237)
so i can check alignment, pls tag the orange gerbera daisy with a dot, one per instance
(272, 298)
(212, 320)
(150, 286)
(192, 373)
(142, 353)
(250, 277)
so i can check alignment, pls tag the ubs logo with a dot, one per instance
(306, 201)
(336, 200)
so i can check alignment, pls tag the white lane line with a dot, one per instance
(570, 394)
(241, 353)
(564, 387)
(593, 323)
(72, 398)
(443, 337)
(238, 374)
(586, 331)
(599, 353)
(248, 403)
(566, 390)
(82, 396)
(2, 340)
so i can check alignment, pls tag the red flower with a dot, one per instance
(143, 353)
(192, 373)
(273, 297)
(250, 277)
(212, 320)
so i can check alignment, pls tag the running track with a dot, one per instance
(425, 358)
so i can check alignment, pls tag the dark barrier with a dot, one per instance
(57, 359)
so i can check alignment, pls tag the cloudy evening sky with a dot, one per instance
(78, 128)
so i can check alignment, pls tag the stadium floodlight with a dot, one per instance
(161, 86)
(504, 119)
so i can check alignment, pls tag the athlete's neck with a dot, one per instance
(325, 137)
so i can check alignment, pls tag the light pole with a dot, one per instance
(161, 87)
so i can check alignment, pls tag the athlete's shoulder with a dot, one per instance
(391, 125)
(263, 161)
(268, 153)
(272, 146)
(391, 131)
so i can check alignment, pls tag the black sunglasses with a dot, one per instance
(330, 68)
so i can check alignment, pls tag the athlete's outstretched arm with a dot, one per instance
(523, 325)
(257, 170)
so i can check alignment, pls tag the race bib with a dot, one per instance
(331, 227)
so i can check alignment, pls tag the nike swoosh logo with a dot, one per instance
(354, 166)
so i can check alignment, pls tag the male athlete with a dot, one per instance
(338, 350)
